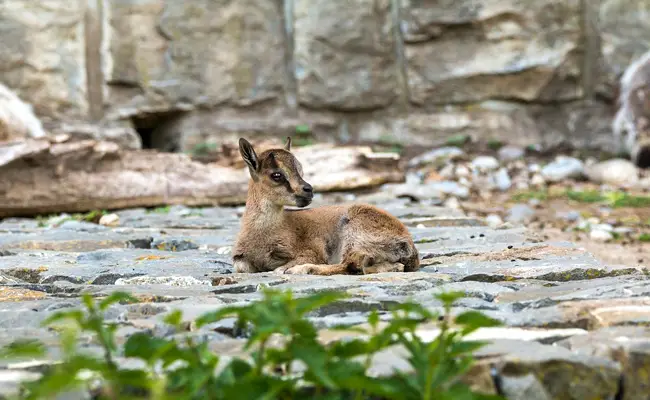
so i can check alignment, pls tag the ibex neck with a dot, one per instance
(261, 211)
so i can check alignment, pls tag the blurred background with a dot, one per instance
(486, 106)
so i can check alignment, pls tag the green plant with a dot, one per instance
(587, 196)
(204, 148)
(286, 358)
(303, 136)
(160, 210)
(622, 199)
(526, 195)
(644, 237)
(458, 140)
(91, 216)
(494, 144)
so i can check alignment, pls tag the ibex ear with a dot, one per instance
(250, 157)
(287, 146)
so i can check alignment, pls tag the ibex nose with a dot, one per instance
(307, 188)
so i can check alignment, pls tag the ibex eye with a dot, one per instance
(276, 176)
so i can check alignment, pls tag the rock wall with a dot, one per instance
(414, 71)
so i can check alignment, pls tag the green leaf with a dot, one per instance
(89, 302)
(318, 300)
(75, 315)
(174, 318)
(23, 348)
(349, 348)
(146, 347)
(116, 297)
(373, 318)
(465, 347)
(215, 316)
(449, 298)
(473, 320)
(315, 357)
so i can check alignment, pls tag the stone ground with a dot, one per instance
(574, 325)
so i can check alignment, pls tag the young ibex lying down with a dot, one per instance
(346, 239)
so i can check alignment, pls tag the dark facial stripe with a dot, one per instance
(272, 162)
(286, 184)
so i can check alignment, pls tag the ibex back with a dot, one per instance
(345, 239)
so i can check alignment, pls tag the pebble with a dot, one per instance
(462, 171)
(502, 180)
(563, 168)
(510, 153)
(493, 220)
(616, 172)
(600, 235)
(452, 203)
(520, 213)
(571, 216)
(110, 219)
(535, 203)
(447, 171)
(162, 280)
(435, 156)
(485, 163)
(537, 180)
(534, 168)
(602, 227)
(623, 230)
(450, 188)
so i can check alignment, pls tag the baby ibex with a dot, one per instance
(329, 240)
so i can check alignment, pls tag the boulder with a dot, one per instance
(345, 54)
(469, 50)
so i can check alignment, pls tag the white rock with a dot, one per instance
(617, 172)
(510, 153)
(109, 220)
(462, 171)
(452, 202)
(438, 155)
(450, 188)
(493, 220)
(224, 250)
(623, 230)
(520, 213)
(429, 190)
(413, 178)
(537, 180)
(502, 180)
(447, 171)
(600, 235)
(534, 168)
(485, 163)
(563, 168)
(602, 227)
(522, 185)
(162, 280)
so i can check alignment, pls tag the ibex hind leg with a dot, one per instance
(376, 241)
(372, 241)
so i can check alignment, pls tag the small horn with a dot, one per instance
(287, 146)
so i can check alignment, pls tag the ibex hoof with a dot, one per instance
(304, 269)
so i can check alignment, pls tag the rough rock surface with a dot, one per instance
(17, 119)
(371, 70)
(546, 293)
(511, 50)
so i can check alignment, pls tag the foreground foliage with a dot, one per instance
(294, 367)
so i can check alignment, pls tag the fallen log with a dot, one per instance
(41, 176)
